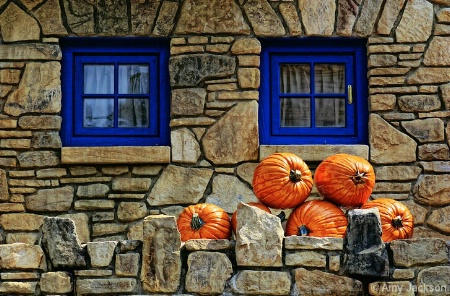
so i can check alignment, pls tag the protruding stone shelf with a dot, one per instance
(314, 152)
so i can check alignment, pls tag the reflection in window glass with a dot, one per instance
(295, 78)
(98, 112)
(329, 78)
(133, 112)
(330, 112)
(133, 79)
(98, 79)
(295, 112)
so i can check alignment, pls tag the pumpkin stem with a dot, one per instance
(196, 222)
(358, 178)
(295, 176)
(303, 231)
(397, 222)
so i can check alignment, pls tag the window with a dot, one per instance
(115, 92)
(313, 91)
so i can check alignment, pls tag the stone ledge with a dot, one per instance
(115, 155)
(314, 152)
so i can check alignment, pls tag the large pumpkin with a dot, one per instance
(396, 219)
(254, 204)
(345, 179)
(282, 180)
(204, 221)
(317, 218)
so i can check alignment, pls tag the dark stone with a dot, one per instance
(192, 69)
(61, 243)
(365, 253)
(112, 16)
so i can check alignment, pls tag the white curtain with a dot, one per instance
(132, 112)
(328, 78)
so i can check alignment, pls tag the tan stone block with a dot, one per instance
(312, 11)
(114, 155)
(18, 25)
(99, 229)
(248, 78)
(306, 258)
(334, 262)
(403, 274)
(313, 243)
(414, 10)
(221, 87)
(261, 282)
(21, 221)
(416, 252)
(20, 256)
(101, 253)
(183, 49)
(11, 207)
(115, 170)
(131, 184)
(218, 48)
(30, 238)
(249, 60)
(440, 219)
(8, 123)
(85, 180)
(131, 211)
(92, 205)
(127, 264)
(246, 46)
(22, 288)
(208, 245)
(290, 16)
(51, 173)
(6, 276)
(82, 171)
(55, 283)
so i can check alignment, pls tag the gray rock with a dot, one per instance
(364, 251)
(61, 243)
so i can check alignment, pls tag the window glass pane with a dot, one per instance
(295, 112)
(330, 112)
(329, 78)
(98, 79)
(98, 112)
(295, 78)
(133, 112)
(133, 79)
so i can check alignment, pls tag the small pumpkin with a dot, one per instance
(319, 218)
(396, 219)
(344, 179)
(282, 180)
(254, 204)
(204, 221)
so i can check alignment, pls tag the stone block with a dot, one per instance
(105, 286)
(20, 256)
(264, 249)
(261, 282)
(364, 251)
(398, 288)
(21, 288)
(208, 245)
(55, 283)
(306, 258)
(434, 281)
(101, 253)
(127, 264)
(417, 252)
(207, 272)
(296, 242)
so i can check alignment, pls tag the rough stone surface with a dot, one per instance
(228, 191)
(264, 21)
(207, 272)
(419, 103)
(131, 211)
(440, 219)
(311, 11)
(185, 147)
(263, 282)
(211, 16)
(306, 258)
(366, 21)
(290, 16)
(39, 90)
(364, 251)
(131, 184)
(92, 190)
(4, 193)
(425, 130)
(21, 221)
(389, 16)
(21, 256)
(165, 193)
(53, 200)
(431, 190)
(61, 243)
(409, 30)
(17, 25)
(437, 53)
(127, 264)
(296, 242)
(415, 252)
(388, 145)
(259, 237)
(316, 282)
(188, 101)
(82, 227)
(208, 244)
(239, 142)
(55, 282)
(105, 286)
(435, 278)
(161, 261)
(101, 253)
(347, 12)
(193, 69)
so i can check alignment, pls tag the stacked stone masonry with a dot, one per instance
(109, 193)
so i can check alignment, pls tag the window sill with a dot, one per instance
(315, 152)
(115, 155)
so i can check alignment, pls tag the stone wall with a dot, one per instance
(108, 192)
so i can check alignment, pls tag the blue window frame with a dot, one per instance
(115, 92)
(313, 91)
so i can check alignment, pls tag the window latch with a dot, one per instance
(350, 94)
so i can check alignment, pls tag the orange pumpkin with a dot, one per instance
(282, 180)
(204, 221)
(345, 179)
(317, 218)
(254, 204)
(396, 219)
